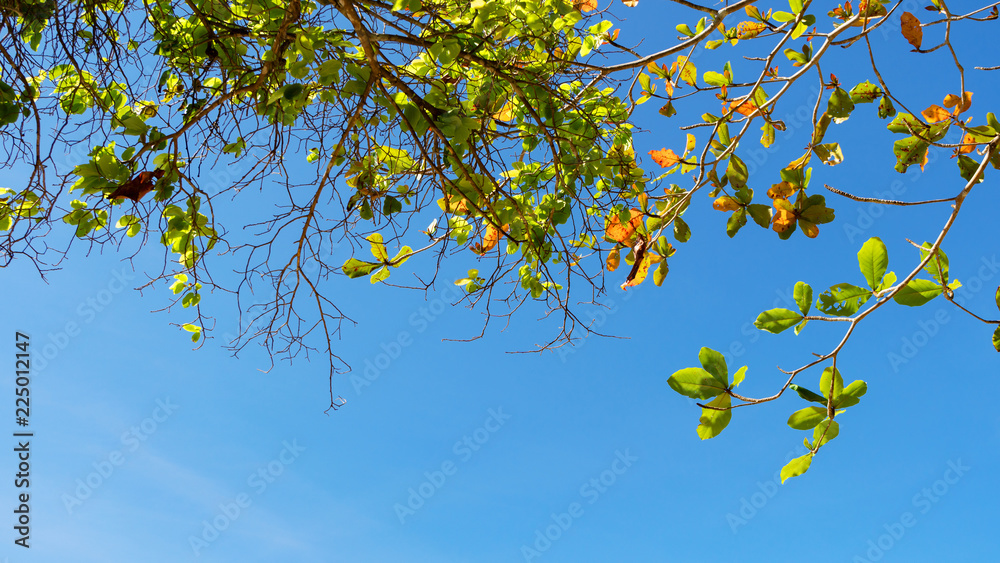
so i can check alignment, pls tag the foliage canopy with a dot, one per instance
(432, 128)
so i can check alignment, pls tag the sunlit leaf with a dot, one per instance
(796, 467)
(873, 260)
(695, 383)
(665, 157)
(713, 421)
(917, 292)
(777, 320)
(807, 418)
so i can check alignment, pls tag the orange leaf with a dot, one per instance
(623, 234)
(935, 113)
(784, 216)
(746, 108)
(911, 29)
(585, 5)
(952, 101)
(490, 239)
(968, 144)
(665, 157)
(640, 274)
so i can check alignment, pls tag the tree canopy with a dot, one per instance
(420, 131)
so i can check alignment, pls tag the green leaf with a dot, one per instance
(885, 108)
(937, 266)
(355, 268)
(807, 394)
(715, 79)
(695, 383)
(843, 299)
(829, 153)
(131, 222)
(803, 295)
(391, 205)
(852, 395)
(739, 375)
(807, 418)
(737, 172)
(831, 377)
(736, 222)
(824, 432)
(998, 297)
(840, 105)
(865, 93)
(917, 293)
(681, 230)
(195, 331)
(291, 91)
(712, 421)
(796, 467)
(888, 281)
(715, 364)
(777, 320)
(996, 339)
(873, 260)
(761, 214)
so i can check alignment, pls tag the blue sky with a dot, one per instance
(580, 455)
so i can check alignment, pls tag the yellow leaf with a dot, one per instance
(935, 113)
(911, 29)
(688, 72)
(665, 157)
(782, 191)
(640, 275)
(952, 101)
(585, 5)
(631, 3)
(749, 30)
(506, 113)
(614, 258)
(725, 203)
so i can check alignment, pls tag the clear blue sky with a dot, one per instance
(140, 441)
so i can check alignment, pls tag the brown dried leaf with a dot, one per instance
(911, 29)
